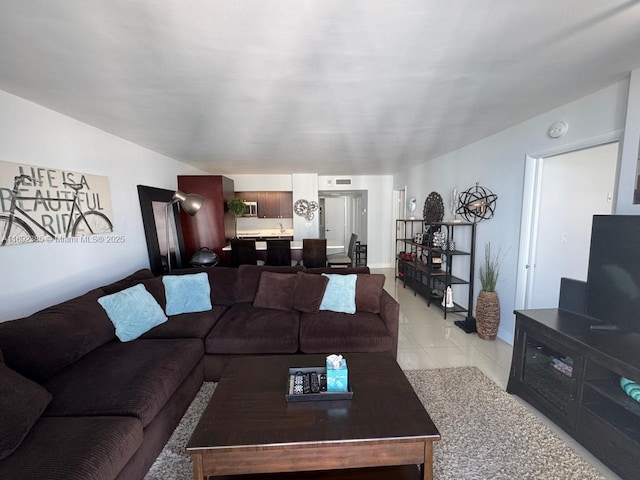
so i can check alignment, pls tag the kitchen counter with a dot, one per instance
(266, 233)
(332, 246)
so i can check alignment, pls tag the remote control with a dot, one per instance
(323, 382)
(315, 384)
(298, 388)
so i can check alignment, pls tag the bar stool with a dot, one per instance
(243, 252)
(314, 252)
(279, 252)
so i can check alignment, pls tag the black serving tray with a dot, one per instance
(314, 397)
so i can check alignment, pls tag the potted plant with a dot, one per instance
(487, 304)
(236, 206)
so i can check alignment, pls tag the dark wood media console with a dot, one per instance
(571, 373)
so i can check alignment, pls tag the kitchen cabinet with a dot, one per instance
(247, 196)
(213, 226)
(286, 204)
(270, 204)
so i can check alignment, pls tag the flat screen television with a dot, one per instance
(613, 278)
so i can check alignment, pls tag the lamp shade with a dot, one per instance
(190, 202)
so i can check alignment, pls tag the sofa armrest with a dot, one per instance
(390, 315)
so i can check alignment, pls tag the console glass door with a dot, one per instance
(549, 372)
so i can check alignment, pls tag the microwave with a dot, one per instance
(250, 209)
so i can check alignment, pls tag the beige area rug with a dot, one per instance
(486, 433)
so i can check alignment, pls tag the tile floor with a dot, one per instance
(427, 340)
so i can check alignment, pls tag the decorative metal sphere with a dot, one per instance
(477, 204)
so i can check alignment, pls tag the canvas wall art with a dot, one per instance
(43, 204)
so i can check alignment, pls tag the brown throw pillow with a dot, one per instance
(368, 291)
(21, 404)
(309, 292)
(275, 291)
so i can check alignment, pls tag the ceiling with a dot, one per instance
(341, 87)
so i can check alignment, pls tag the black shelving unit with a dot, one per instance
(426, 268)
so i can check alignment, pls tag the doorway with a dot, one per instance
(399, 212)
(343, 213)
(562, 193)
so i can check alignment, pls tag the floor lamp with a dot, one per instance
(190, 203)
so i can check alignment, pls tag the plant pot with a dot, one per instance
(487, 315)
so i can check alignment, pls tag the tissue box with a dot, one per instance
(337, 379)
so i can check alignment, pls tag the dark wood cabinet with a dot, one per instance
(247, 196)
(571, 373)
(213, 226)
(285, 202)
(270, 204)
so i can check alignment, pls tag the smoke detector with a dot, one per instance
(557, 129)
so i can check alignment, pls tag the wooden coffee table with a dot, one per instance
(249, 428)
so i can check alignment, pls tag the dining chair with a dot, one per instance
(314, 252)
(279, 252)
(346, 259)
(243, 252)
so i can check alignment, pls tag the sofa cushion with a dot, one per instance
(328, 331)
(340, 294)
(156, 288)
(133, 311)
(74, 448)
(249, 278)
(132, 379)
(222, 281)
(187, 293)
(128, 281)
(21, 404)
(309, 292)
(276, 290)
(341, 270)
(247, 329)
(368, 291)
(44, 343)
(187, 325)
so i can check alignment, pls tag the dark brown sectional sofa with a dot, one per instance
(77, 403)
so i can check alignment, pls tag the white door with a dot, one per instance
(334, 219)
(399, 212)
(571, 188)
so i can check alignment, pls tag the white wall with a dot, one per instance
(261, 183)
(497, 162)
(305, 186)
(38, 275)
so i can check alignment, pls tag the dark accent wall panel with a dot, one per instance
(212, 226)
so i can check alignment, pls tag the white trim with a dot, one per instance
(610, 137)
(528, 232)
(399, 195)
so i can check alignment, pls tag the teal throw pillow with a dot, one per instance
(133, 311)
(340, 294)
(187, 293)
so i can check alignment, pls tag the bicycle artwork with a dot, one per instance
(35, 217)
